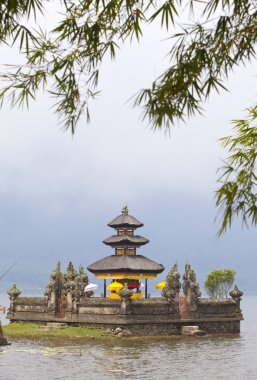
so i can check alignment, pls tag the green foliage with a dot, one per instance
(218, 282)
(12, 16)
(71, 54)
(66, 62)
(202, 57)
(237, 194)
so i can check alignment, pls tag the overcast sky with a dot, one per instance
(58, 192)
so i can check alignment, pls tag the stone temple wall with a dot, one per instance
(143, 317)
(152, 306)
(65, 301)
(210, 308)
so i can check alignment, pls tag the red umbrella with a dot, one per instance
(133, 285)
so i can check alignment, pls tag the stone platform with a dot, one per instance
(66, 302)
(154, 316)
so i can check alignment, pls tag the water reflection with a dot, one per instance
(138, 359)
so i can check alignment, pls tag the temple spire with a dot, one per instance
(125, 210)
(125, 241)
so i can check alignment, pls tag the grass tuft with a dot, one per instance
(26, 330)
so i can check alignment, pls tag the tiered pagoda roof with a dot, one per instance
(132, 240)
(125, 220)
(125, 262)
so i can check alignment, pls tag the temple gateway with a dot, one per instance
(125, 302)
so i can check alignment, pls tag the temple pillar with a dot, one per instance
(104, 288)
(146, 290)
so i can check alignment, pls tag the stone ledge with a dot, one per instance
(114, 319)
(216, 301)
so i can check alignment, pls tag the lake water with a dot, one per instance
(213, 357)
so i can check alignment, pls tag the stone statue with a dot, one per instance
(172, 288)
(125, 293)
(13, 294)
(125, 210)
(191, 288)
(236, 295)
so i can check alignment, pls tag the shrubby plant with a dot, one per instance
(219, 282)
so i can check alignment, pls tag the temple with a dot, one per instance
(126, 265)
(69, 297)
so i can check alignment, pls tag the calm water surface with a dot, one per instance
(218, 357)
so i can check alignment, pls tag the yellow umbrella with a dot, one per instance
(137, 296)
(116, 286)
(161, 285)
(114, 296)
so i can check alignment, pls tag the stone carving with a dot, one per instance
(67, 286)
(125, 293)
(172, 288)
(81, 283)
(70, 279)
(191, 288)
(54, 289)
(14, 293)
(125, 210)
(236, 295)
(145, 317)
(55, 283)
(76, 283)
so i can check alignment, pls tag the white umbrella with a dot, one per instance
(91, 287)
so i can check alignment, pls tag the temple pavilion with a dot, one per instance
(126, 266)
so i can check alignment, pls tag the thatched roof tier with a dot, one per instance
(125, 221)
(137, 264)
(126, 240)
